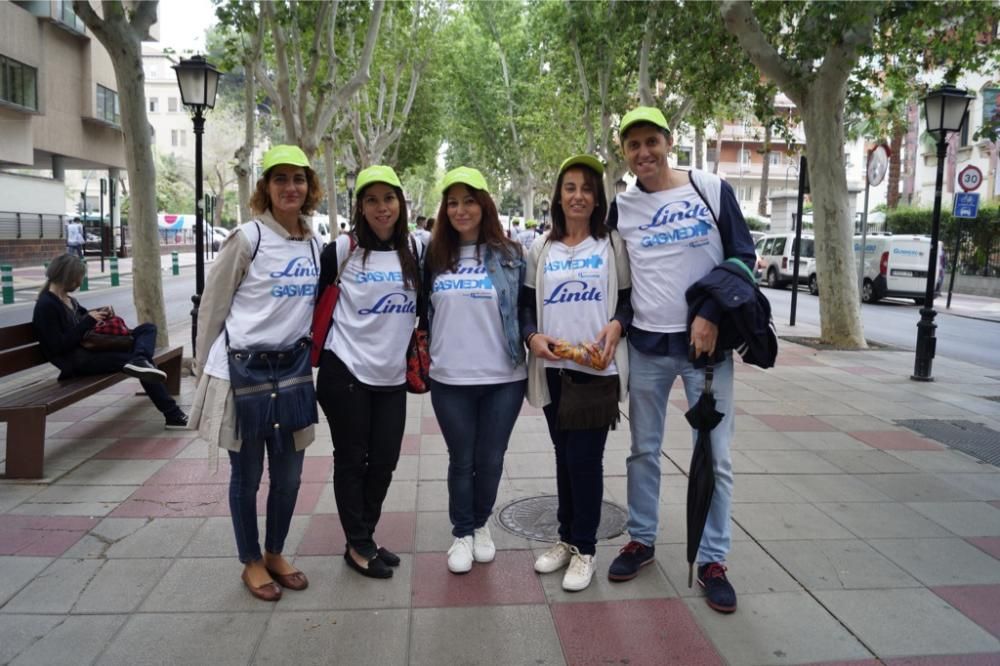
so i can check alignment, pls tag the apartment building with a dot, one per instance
(59, 115)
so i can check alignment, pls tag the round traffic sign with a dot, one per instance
(878, 164)
(970, 178)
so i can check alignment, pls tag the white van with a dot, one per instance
(895, 267)
(777, 252)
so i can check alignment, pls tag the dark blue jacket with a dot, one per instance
(745, 324)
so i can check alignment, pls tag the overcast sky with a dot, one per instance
(183, 24)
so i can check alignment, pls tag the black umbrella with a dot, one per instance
(703, 417)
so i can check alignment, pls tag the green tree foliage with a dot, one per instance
(174, 193)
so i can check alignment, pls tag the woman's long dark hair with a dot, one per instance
(400, 239)
(444, 249)
(598, 229)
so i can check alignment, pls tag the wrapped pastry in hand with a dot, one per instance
(585, 353)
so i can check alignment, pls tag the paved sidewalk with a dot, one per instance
(855, 541)
(31, 278)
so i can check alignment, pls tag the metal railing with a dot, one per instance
(14, 226)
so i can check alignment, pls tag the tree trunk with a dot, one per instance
(699, 147)
(122, 40)
(912, 144)
(331, 184)
(895, 162)
(839, 306)
(765, 172)
(718, 152)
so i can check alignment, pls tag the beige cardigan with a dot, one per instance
(213, 411)
(619, 277)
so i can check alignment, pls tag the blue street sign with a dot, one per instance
(966, 205)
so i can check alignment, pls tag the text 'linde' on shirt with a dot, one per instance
(575, 296)
(374, 318)
(468, 346)
(272, 307)
(672, 241)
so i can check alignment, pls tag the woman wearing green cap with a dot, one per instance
(259, 296)
(577, 282)
(473, 278)
(362, 373)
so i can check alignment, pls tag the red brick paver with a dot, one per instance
(509, 579)
(895, 440)
(649, 631)
(41, 536)
(325, 536)
(145, 448)
(783, 423)
(980, 603)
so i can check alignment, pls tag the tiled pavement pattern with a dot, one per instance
(855, 541)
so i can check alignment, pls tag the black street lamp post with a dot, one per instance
(199, 81)
(945, 109)
(351, 179)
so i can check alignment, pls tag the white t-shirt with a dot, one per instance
(74, 233)
(575, 298)
(374, 318)
(467, 339)
(272, 307)
(672, 242)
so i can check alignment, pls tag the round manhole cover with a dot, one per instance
(535, 518)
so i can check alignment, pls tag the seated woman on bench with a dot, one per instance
(61, 323)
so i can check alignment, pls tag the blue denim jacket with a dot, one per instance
(507, 276)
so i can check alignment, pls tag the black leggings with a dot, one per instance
(367, 430)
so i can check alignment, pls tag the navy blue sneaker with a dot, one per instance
(632, 557)
(719, 594)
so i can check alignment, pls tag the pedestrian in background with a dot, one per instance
(362, 373)
(75, 238)
(252, 301)
(62, 325)
(473, 276)
(576, 288)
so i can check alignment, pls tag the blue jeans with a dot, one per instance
(650, 379)
(476, 422)
(285, 470)
(579, 474)
(85, 362)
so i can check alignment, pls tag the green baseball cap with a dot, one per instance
(284, 154)
(585, 160)
(643, 114)
(377, 173)
(466, 176)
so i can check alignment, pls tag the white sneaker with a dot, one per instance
(580, 571)
(483, 549)
(460, 555)
(554, 559)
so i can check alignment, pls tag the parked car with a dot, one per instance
(219, 234)
(777, 251)
(895, 267)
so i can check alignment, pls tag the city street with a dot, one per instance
(894, 322)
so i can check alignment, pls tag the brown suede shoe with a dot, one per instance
(293, 581)
(266, 592)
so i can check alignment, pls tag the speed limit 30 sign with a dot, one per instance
(970, 178)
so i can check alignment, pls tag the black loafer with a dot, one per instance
(387, 556)
(376, 567)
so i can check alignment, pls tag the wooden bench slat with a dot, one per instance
(21, 358)
(25, 406)
(17, 336)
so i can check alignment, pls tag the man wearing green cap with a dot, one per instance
(677, 226)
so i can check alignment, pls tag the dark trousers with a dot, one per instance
(476, 422)
(366, 426)
(284, 468)
(86, 362)
(579, 472)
